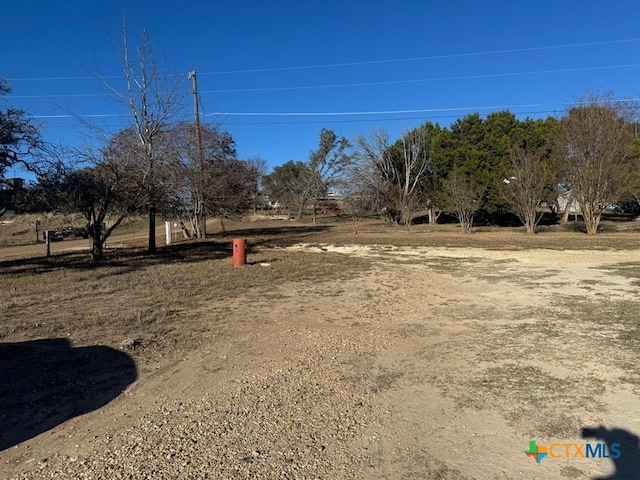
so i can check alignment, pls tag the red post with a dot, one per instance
(239, 252)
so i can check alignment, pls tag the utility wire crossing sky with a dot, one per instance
(274, 73)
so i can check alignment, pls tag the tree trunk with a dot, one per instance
(315, 205)
(152, 230)
(97, 244)
(565, 213)
(433, 217)
(185, 231)
(200, 218)
(531, 227)
(408, 218)
(466, 221)
(530, 222)
(591, 217)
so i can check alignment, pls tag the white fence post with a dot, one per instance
(167, 230)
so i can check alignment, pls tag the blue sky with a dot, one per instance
(310, 64)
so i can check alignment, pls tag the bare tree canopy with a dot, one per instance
(152, 96)
(597, 145)
(464, 197)
(396, 173)
(532, 172)
(530, 182)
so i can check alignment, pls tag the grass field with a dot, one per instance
(408, 354)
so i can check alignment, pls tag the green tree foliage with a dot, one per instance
(461, 162)
(481, 150)
(18, 136)
(326, 165)
(43, 195)
(295, 184)
(287, 186)
(500, 129)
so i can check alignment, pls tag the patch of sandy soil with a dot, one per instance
(433, 363)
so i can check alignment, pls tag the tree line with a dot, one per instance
(495, 166)
(159, 165)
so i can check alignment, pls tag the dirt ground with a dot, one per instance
(373, 358)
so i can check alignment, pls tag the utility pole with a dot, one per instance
(200, 213)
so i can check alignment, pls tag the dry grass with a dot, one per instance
(156, 299)
(20, 229)
(536, 364)
(615, 233)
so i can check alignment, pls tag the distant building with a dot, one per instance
(563, 200)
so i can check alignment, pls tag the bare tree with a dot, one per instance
(529, 184)
(363, 181)
(464, 198)
(110, 186)
(396, 173)
(414, 166)
(359, 187)
(597, 137)
(152, 96)
(194, 174)
(231, 188)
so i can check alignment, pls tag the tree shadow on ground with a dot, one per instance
(128, 259)
(44, 383)
(627, 463)
(217, 246)
(284, 235)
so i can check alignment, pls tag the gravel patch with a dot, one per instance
(299, 418)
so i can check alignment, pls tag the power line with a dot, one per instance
(375, 112)
(360, 63)
(320, 122)
(322, 114)
(432, 57)
(343, 113)
(88, 115)
(63, 95)
(370, 120)
(437, 79)
(367, 84)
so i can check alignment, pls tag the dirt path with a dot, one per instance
(70, 245)
(430, 363)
